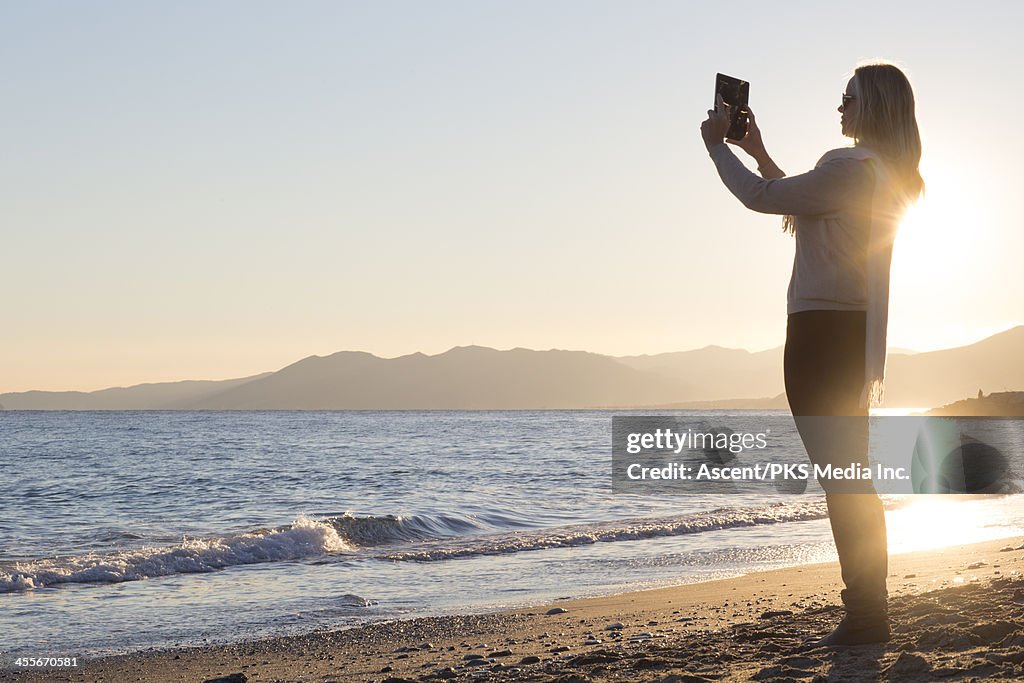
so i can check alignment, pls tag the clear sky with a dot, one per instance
(199, 190)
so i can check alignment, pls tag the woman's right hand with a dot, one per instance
(751, 143)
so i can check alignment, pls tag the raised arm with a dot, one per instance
(768, 169)
(832, 186)
(753, 144)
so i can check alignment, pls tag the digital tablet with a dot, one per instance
(735, 93)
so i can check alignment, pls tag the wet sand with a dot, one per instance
(958, 614)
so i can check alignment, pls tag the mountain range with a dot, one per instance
(479, 378)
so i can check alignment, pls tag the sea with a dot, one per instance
(129, 531)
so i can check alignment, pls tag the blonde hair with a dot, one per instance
(887, 124)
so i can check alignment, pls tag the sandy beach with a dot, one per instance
(958, 613)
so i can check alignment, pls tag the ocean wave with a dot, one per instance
(304, 539)
(419, 538)
(385, 529)
(610, 532)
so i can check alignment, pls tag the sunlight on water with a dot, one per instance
(897, 412)
(939, 521)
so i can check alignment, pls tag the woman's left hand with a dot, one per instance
(715, 127)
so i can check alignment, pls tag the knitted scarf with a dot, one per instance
(886, 213)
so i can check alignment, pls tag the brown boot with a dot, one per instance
(853, 631)
(866, 622)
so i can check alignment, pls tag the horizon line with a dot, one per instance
(890, 350)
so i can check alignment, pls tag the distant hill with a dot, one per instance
(475, 377)
(936, 378)
(1002, 404)
(158, 396)
(717, 373)
(463, 378)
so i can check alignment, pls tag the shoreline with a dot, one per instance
(741, 625)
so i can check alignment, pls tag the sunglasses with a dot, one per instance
(847, 99)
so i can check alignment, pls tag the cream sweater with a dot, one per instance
(832, 208)
(846, 215)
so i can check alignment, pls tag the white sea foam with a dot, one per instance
(418, 538)
(422, 538)
(304, 539)
(609, 532)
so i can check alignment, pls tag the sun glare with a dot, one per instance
(940, 521)
(943, 229)
(939, 262)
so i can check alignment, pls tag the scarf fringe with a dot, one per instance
(789, 224)
(873, 394)
(886, 212)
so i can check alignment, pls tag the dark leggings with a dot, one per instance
(824, 372)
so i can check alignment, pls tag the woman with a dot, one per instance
(844, 214)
